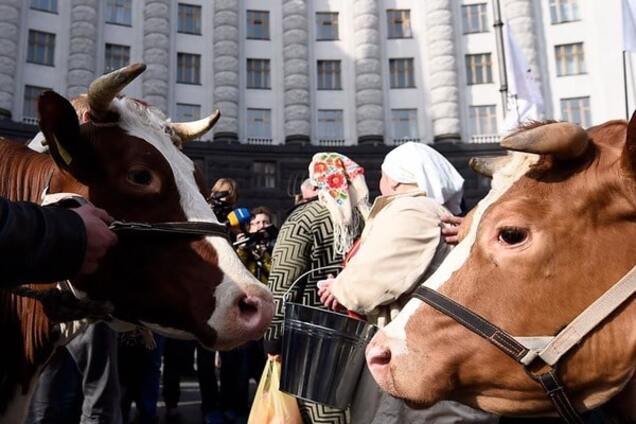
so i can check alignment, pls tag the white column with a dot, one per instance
(9, 38)
(82, 58)
(156, 78)
(296, 71)
(519, 14)
(368, 68)
(226, 68)
(443, 80)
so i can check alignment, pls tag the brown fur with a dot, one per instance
(23, 176)
(581, 217)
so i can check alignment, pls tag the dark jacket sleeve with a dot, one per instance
(39, 244)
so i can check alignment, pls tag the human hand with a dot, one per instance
(273, 358)
(98, 237)
(326, 297)
(450, 228)
(239, 238)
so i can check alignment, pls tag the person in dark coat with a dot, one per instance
(49, 244)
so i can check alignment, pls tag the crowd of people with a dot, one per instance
(365, 258)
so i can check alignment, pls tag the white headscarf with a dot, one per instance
(417, 163)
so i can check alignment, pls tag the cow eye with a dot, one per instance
(141, 177)
(512, 235)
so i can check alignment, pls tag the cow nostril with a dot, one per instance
(378, 356)
(248, 305)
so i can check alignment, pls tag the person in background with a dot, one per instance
(178, 361)
(223, 197)
(316, 236)
(139, 364)
(402, 242)
(247, 361)
(255, 247)
(80, 382)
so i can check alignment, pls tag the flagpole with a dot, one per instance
(625, 85)
(501, 56)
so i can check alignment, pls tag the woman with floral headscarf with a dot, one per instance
(316, 236)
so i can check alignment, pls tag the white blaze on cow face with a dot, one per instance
(244, 306)
(518, 165)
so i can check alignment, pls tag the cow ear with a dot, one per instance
(60, 126)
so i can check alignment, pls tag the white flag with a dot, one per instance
(629, 25)
(525, 101)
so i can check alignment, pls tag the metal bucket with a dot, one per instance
(323, 354)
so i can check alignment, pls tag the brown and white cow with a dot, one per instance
(126, 159)
(542, 247)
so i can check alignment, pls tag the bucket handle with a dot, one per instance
(304, 274)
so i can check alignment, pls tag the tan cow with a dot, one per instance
(537, 255)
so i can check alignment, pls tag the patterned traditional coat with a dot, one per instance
(305, 242)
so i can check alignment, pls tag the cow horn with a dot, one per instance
(103, 90)
(563, 140)
(189, 131)
(487, 166)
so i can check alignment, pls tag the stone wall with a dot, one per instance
(82, 58)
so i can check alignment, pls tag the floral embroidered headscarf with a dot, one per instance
(341, 189)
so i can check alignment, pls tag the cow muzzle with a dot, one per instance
(379, 357)
(241, 314)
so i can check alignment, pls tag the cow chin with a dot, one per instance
(405, 374)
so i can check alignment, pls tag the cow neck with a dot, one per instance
(549, 349)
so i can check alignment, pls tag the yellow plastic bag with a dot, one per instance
(271, 406)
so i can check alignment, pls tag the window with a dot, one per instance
(259, 124)
(329, 75)
(330, 125)
(326, 26)
(564, 11)
(188, 68)
(258, 73)
(478, 68)
(186, 112)
(41, 48)
(404, 123)
(264, 174)
(402, 75)
(116, 57)
(570, 59)
(474, 18)
(399, 23)
(189, 19)
(119, 12)
(30, 106)
(483, 120)
(44, 5)
(576, 110)
(258, 24)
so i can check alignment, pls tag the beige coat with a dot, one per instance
(401, 241)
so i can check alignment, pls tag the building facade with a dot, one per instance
(325, 72)
(291, 77)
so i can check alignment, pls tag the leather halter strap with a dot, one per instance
(189, 228)
(178, 228)
(549, 380)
